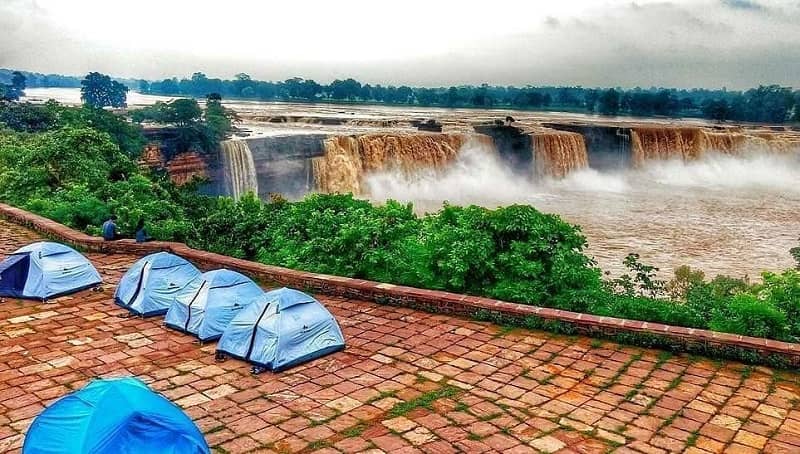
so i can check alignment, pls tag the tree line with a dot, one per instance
(772, 103)
(767, 104)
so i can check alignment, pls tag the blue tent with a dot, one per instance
(46, 270)
(281, 329)
(206, 313)
(115, 416)
(151, 284)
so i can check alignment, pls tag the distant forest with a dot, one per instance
(764, 104)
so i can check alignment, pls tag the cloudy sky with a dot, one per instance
(701, 43)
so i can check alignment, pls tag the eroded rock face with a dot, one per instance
(608, 147)
(151, 156)
(182, 168)
(185, 167)
(514, 145)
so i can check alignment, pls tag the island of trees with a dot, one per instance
(765, 104)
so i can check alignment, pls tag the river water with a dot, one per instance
(722, 214)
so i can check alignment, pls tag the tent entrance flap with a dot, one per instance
(14, 274)
(194, 298)
(253, 335)
(138, 284)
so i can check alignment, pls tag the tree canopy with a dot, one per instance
(99, 90)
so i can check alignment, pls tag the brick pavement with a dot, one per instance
(409, 381)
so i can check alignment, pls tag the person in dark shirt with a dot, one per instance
(141, 232)
(109, 229)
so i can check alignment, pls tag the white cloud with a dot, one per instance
(686, 43)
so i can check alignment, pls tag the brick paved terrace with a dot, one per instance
(409, 381)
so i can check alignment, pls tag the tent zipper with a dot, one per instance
(253, 335)
(139, 285)
(189, 315)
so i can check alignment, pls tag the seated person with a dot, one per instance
(109, 229)
(141, 232)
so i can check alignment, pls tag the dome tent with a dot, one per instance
(120, 415)
(281, 329)
(46, 270)
(207, 312)
(151, 284)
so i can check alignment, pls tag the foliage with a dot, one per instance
(746, 314)
(99, 90)
(685, 279)
(27, 117)
(772, 104)
(14, 90)
(643, 282)
(194, 126)
(783, 292)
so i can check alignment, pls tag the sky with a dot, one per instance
(593, 43)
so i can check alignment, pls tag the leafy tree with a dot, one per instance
(27, 117)
(608, 103)
(218, 119)
(345, 89)
(98, 90)
(770, 104)
(18, 81)
(716, 109)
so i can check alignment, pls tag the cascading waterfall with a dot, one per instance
(348, 159)
(687, 144)
(239, 168)
(649, 143)
(557, 154)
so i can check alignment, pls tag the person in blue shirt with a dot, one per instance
(141, 233)
(109, 229)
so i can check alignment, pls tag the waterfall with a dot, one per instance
(559, 153)
(666, 143)
(348, 159)
(239, 168)
(692, 143)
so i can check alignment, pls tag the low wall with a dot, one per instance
(432, 300)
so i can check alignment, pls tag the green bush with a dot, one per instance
(783, 292)
(747, 315)
(650, 309)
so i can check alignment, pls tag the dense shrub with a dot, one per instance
(745, 314)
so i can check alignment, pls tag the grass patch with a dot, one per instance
(423, 401)
(355, 431)
(692, 440)
(317, 445)
(215, 429)
(674, 383)
(382, 395)
(622, 370)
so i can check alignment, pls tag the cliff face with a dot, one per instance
(185, 167)
(513, 145)
(181, 169)
(607, 147)
(537, 153)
